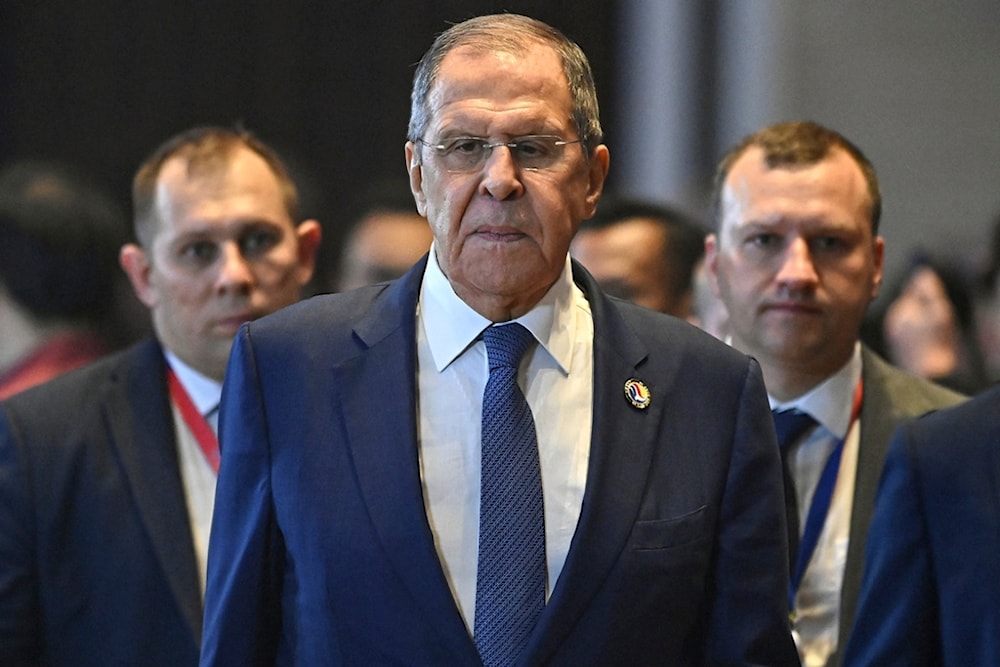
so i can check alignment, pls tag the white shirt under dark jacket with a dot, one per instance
(817, 604)
(196, 473)
(452, 369)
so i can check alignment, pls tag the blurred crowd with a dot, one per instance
(65, 301)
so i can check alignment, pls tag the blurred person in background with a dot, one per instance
(385, 238)
(927, 326)
(643, 252)
(59, 236)
(708, 311)
(108, 473)
(987, 309)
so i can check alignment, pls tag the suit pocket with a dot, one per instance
(658, 534)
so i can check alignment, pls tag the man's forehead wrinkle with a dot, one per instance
(459, 87)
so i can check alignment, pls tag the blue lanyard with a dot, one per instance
(820, 505)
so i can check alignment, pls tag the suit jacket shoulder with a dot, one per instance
(905, 394)
(85, 389)
(960, 434)
(349, 322)
(341, 325)
(891, 396)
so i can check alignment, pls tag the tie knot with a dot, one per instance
(790, 425)
(506, 344)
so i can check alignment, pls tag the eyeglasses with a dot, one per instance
(532, 152)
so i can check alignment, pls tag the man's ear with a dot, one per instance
(309, 234)
(137, 267)
(598, 172)
(415, 171)
(712, 262)
(879, 258)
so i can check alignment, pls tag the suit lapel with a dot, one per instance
(622, 445)
(885, 405)
(879, 417)
(138, 412)
(385, 453)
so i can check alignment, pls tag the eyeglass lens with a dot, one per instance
(463, 154)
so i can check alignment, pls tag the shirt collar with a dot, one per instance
(832, 401)
(204, 392)
(451, 326)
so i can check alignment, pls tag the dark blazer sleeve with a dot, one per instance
(894, 622)
(19, 604)
(243, 594)
(891, 397)
(932, 576)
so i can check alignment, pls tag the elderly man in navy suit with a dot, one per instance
(400, 486)
(107, 474)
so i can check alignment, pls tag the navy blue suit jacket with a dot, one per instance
(97, 564)
(931, 587)
(321, 552)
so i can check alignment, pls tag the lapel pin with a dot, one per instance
(637, 393)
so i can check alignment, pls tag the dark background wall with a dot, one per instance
(102, 82)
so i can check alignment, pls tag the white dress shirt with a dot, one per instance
(452, 369)
(196, 473)
(817, 604)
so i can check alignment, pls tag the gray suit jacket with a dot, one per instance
(891, 396)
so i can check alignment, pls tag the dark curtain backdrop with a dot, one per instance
(100, 83)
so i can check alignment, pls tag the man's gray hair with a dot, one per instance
(509, 33)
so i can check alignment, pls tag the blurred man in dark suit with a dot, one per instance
(107, 474)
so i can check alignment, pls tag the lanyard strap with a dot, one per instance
(820, 505)
(196, 422)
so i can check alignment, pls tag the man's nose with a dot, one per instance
(501, 178)
(234, 269)
(797, 267)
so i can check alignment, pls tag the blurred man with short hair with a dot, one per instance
(107, 474)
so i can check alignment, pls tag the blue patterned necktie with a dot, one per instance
(790, 426)
(510, 581)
